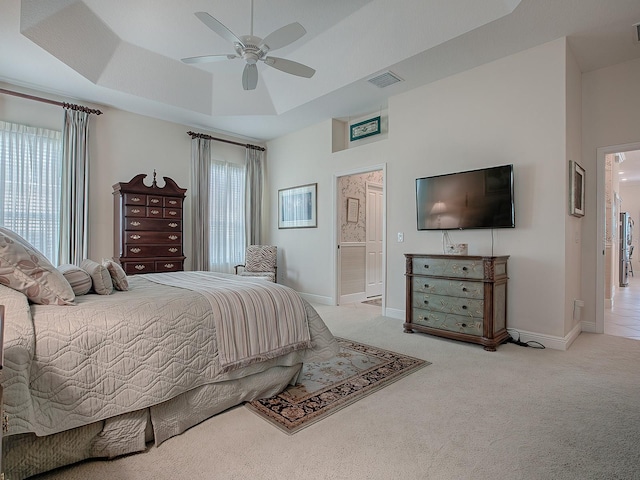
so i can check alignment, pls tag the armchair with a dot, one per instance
(260, 261)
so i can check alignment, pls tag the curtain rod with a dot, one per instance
(209, 137)
(52, 102)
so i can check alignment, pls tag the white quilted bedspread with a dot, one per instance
(111, 354)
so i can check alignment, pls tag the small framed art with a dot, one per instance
(365, 129)
(353, 209)
(576, 189)
(297, 206)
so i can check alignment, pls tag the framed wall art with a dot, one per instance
(297, 206)
(576, 189)
(364, 129)
(353, 209)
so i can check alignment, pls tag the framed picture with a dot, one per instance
(576, 189)
(297, 207)
(365, 129)
(353, 209)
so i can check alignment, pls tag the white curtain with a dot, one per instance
(30, 179)
(200, 176)
(75, 187)
(254, 192)
(226, 221)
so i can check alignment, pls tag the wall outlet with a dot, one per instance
(400, 237)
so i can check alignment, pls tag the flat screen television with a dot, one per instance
(473, 199)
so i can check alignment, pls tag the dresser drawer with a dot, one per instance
(446, 267)
(135, 199)
(452, 288)
(155, 224)
(171, 202)
(135, 211)
(447, 321)
(135, 268)
(152, 251)
(466, 307)
(140, 237)
(170, 265)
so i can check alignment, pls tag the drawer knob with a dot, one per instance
(172, 212)
(135, 224)
(134, 237)
(154, 200)
(426, 266)
(173, 225)
(426, 302)
(173, 237)
(426, 285)
(464, 289)
(154, 212)
(173, 250)
(135, 250)
(464, 269)
(464, 307)
(135, 199)
(172, 202)
(135, 210)
(463, 325)
(139, 267)
(168, 265)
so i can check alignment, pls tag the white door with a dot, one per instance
(373, 252)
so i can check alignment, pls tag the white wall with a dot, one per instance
(122, 145)
(509, 111)
(610, 106)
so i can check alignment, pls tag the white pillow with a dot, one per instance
(25, 269)
(100, 276)
(118, 276)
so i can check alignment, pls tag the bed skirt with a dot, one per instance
(26, 454)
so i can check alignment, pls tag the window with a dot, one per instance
(227, 220)
(30, 184)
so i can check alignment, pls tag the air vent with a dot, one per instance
(636, 31)
(385, 79)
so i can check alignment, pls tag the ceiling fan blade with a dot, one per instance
(218, 27)
(284, 36)
(208, 58)
(289, 66)
(250, 76)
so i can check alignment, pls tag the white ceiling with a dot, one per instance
(126, 53)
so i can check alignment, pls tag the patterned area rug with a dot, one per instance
(326, 387)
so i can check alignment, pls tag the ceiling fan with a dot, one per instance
(253, 49)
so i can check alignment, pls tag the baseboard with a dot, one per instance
(317, 299)
(549, 341)
(589, 327)
(394, 313)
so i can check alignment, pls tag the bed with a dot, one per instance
(104, 377)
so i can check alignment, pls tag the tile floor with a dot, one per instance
(623, 320)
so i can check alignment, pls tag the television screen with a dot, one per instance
(474, 199)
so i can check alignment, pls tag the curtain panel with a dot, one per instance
(74, 211)
(254, 196)
(200, 181)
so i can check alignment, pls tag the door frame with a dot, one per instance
(335, 236)
(600, 219)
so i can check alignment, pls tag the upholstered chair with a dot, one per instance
(259, 261)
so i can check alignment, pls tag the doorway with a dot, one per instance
(360, 224)
(618, 299)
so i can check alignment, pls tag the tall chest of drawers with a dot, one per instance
(148, 225)
(457, 297)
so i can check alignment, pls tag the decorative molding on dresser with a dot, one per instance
(148, 234)
(457, 297)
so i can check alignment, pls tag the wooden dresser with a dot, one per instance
(457, 297)
(148, 225)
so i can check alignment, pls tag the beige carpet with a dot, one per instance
(515, 414)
